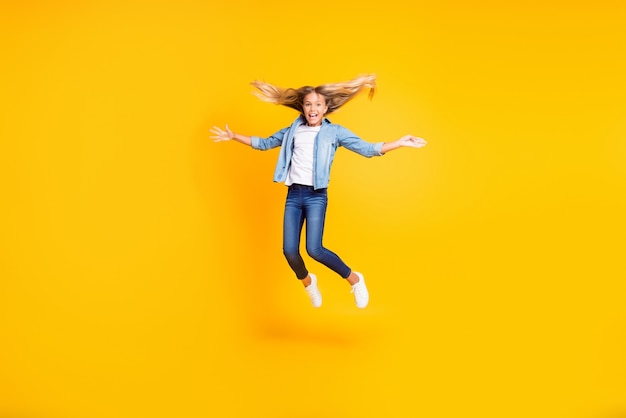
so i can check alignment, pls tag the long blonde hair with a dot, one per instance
(335, 94)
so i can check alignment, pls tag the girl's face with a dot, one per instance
(314, 108)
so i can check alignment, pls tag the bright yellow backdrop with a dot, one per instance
(141, 272)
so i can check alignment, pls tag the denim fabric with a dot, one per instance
(306, 203)
(329, 138)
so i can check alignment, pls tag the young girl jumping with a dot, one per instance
(307, 149)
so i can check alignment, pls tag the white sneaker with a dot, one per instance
(313, 292)
(361, 295)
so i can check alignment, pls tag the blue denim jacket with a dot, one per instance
(328, 139)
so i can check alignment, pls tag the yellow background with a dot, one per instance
(141, 271)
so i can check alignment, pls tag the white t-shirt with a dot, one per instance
(301, 167)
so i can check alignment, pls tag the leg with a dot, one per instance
(292, 228)
(315, 205)
(315, 213)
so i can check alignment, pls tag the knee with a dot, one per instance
(315, 253)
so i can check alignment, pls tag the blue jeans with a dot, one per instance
(304, 203)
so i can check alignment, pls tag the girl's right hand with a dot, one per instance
(220, 135)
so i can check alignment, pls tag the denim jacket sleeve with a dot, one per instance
(352, 142)
(270, 142)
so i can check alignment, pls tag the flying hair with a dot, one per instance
(335, 94)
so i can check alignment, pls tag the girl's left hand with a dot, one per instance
(412, 141)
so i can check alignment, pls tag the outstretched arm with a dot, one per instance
(226, 135)
(254, 141)
(405, 141)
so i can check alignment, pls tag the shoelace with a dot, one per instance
(357, 288)
(313, 291)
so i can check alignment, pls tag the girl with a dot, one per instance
(307, 149)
